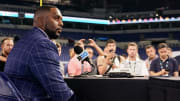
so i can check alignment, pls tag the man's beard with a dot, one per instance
(6, 53)
(164, 56)
(152, 57)
(51, 34)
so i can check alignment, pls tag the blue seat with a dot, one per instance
(8, 91)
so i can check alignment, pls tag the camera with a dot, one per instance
(86, 42)
(110, 51)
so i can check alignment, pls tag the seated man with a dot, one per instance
(6, 45)
(151, 53)
(178, 61)
(170, 52)
(164, 65)
(110, 62)
(136, 66)
(76, 67)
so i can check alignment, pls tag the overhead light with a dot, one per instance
(140, 20)
(134, 20)
(172, 18)
(150, 19)
(145, 20)
(156, 19)
(117, 20)
(110, 17)
(178, 17)
(9, 14)
(157, 14)
(161, 18)
(123, 20)
(166, 18)
(129, 20)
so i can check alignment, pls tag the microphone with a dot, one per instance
(83, 56)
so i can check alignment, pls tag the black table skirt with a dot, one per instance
(109, 89)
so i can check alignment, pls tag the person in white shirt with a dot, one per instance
(136, 66)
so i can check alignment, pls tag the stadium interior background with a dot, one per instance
(141, 21)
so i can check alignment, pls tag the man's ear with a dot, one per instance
(41, 21)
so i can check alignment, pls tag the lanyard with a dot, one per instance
(166, 66)
(134, 68)
(113, 60)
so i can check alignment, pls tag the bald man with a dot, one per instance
(33, 64)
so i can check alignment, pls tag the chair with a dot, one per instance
(8, 91)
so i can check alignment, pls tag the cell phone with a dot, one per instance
(167, 69)
(110, 51)
(86, 42)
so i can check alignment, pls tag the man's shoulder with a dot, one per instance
(74, 59)
(156, 59)
(140, 62)
(178, 58)
(101, 57)
(121, 58)
(172, 59)
(31, 41)
(36, 36)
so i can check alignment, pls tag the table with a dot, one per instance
(109, 89)
(164, 89)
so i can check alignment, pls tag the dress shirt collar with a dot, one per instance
(137, 59)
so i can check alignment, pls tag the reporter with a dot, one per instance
(109, 62)
(164, 65)
(77, 67)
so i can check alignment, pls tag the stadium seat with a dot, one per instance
(8, 91)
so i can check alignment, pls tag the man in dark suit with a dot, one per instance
(33, 64)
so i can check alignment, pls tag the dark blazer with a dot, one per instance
(33, 66)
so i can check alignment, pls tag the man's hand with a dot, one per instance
(92, 43)
(164, 72)
(81, 41)
(109, 58)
